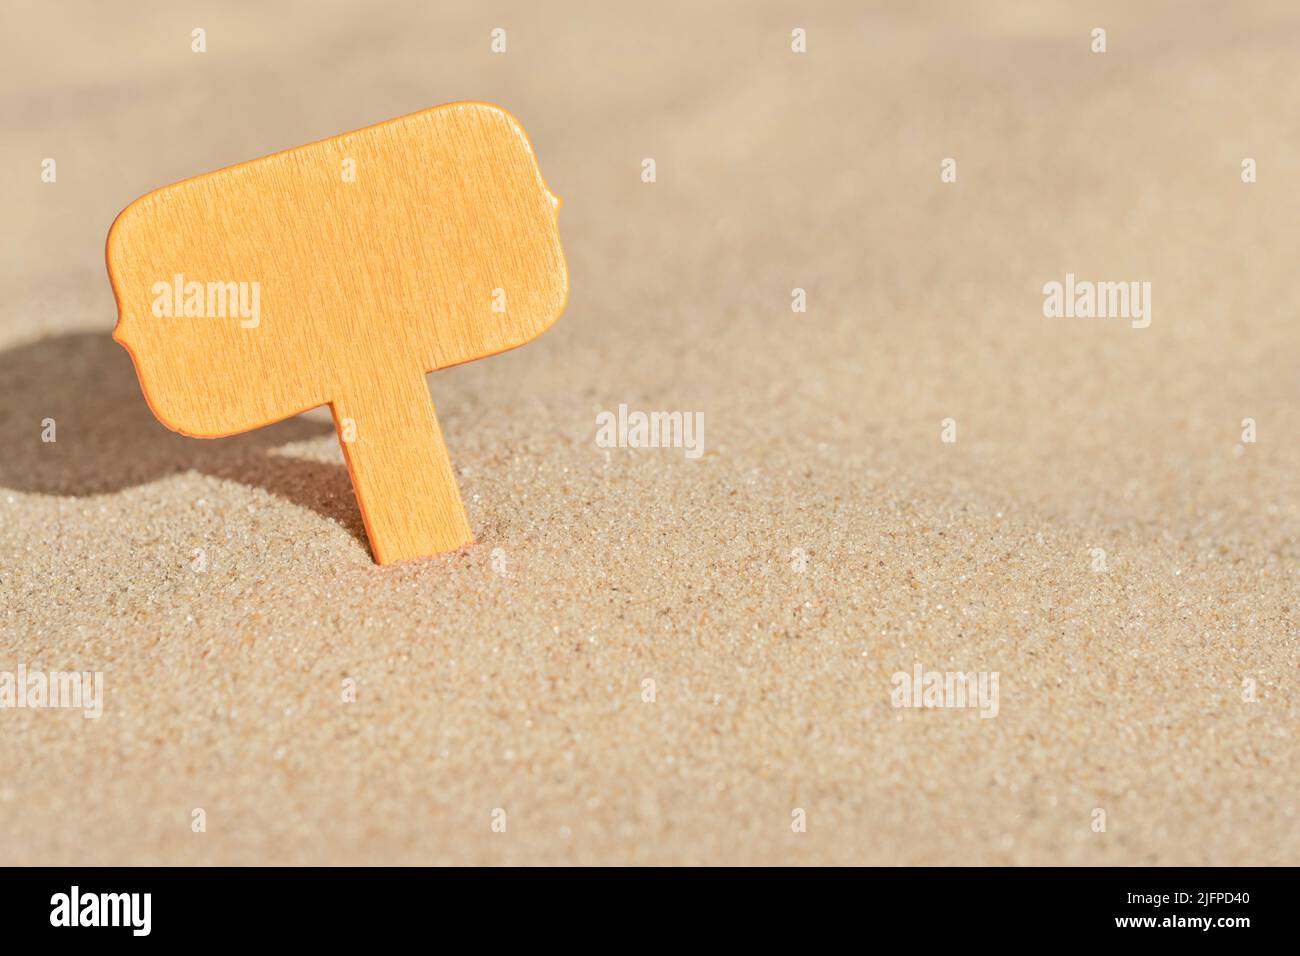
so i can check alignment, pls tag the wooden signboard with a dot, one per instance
(340, 273)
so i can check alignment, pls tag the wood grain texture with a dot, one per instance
(339, 273)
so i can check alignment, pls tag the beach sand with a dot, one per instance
(825, 540)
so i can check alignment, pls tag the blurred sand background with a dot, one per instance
(476, 690)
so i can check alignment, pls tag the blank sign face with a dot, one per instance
(414, 244)
(340, 273)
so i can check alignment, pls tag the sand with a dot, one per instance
(1161, 690)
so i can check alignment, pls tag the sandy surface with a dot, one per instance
(475, 690)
